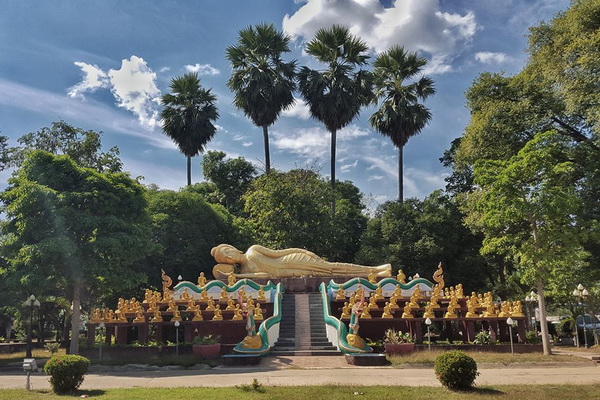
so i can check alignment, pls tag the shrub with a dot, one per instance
(66, 372)
(396, 337)
(532, 337)
(53, 347)
(483, 338)
(456, 370)
(208, 339)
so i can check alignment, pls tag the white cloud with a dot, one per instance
(418, 25)
(94, 78)
(299, 110)
(314, 142)
(438, 65)
(348, 167)
(202, 69)
(490, 58)
(237, 138)
(164, 69)
(375, 178)
(89, 112)
(133, 86)
(247, 144)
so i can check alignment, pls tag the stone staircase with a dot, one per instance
(302, 331)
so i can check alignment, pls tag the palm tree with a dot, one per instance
(336, 95)
(400, 115)
(262, 82)
(188, 116)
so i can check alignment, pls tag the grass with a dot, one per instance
(19, 356)
(426, 357)
(186, 360)
(331, 392)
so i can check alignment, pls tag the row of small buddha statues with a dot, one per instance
(474, 303)
(155, 300)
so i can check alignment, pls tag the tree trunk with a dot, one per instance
(401, 174)
(189, 170)
(333, 144)
(543, 319)
(267, 154)
(75, 317)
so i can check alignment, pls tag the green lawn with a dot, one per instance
(19, 356)
(425, 357)
(550, 392)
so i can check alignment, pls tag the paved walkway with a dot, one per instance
(285, 371)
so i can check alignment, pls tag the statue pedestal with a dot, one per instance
(301, 284)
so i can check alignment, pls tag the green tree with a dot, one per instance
(400, 115)
(527, 206)
(188, 116)
(336, 95)
(230, 178)
(291, 209)
(263, 84)
(186, 228)
(84, 147)
(73, 230)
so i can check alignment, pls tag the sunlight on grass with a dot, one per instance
(425, 357)
(19, 356)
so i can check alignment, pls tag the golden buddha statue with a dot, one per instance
(372, 302)
(394, 302)
(96, 316)
(197, 315)
(352, 301)
(261, 294)
(371, 277)
(224, 296)
(258, 315)
(176, 316)
(387, 311)
(201, 280)
(237, 313)
(151, 305)
(167, 281)
(231, 279)
(191, 306)
(397, 292)
(471, 308)
(121, 316)
(250, 301)
(185, 296)
(418, 294)
(167, 295)
(346, 311)
(340, 294)
(147, 295)
(139, 316)
(428, 313)
(459, 291)
(262, 262)
(157, 317)
(172, 306)
(210, 306)
(379, 293)
(490, 311)
(242, 294)
(452, 307)
(230, 304)
(504, 310)
(413, 301)
(517, 309)
(204, 296)
(218, 314)
(433, 300)
(407, 313)
(401, 277)
(366, 314)
(474, 300)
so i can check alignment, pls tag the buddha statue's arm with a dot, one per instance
(280, 253)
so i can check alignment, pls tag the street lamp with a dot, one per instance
(177, 323)
(428, 323)
(530, 300)
(581, 294)
(510, 323)
(30, 303)
(101, 327)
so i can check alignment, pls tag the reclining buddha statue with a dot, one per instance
(261, 262)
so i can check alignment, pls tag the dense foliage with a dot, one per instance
(66, 372)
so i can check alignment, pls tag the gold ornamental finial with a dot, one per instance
(167, 281)
(438, 276)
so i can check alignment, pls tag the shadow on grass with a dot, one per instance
(482, 391)
(86, 393)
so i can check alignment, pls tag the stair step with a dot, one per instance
(306, 353)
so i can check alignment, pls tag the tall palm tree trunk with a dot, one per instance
(267, 154)
(401, 174)
(75, 317)
(333, 144)
(189, 170)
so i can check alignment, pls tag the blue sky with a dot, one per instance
(102, 65)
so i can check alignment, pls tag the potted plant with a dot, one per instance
(208, 346)
(397, 343)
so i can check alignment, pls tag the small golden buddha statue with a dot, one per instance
(504, 310)
(201, 279)
(459, 291)
(372, 302)
(250, 302)
(121, 317)
(210, 305)
(340, 294)
(157, 317)
(401, 277)
(147, 295)
(176, 316)
(451, 310)
(185, 296)
(261, 294)
(366, 314)
(433, 300)
(152, 305)
(490, 311)
(230, 304)
(242, 294)
(167, 295)
(418, 293)
(407, 313)
(397, 292)
(231, 280)
(139, 317)
(413, 301)
(387, 311)
(471, 308)
(218, 314)
(197, 315)
(191, 306)
(379, 293)
(474, 300)
(345, 311)
(96, 316)
(428, 313)
(224, 295)
(258, 315)
(237, 313)
(172, 306)
(372, 278)
(352, 301)
(517, 309)
(394, 302)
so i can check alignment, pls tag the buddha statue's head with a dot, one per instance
(227, 254)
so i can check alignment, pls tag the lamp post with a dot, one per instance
(581, 295)
(510, 323)
(30, 303)
(428, 323)
(101, 328)
(177, 323)
(530, 300)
